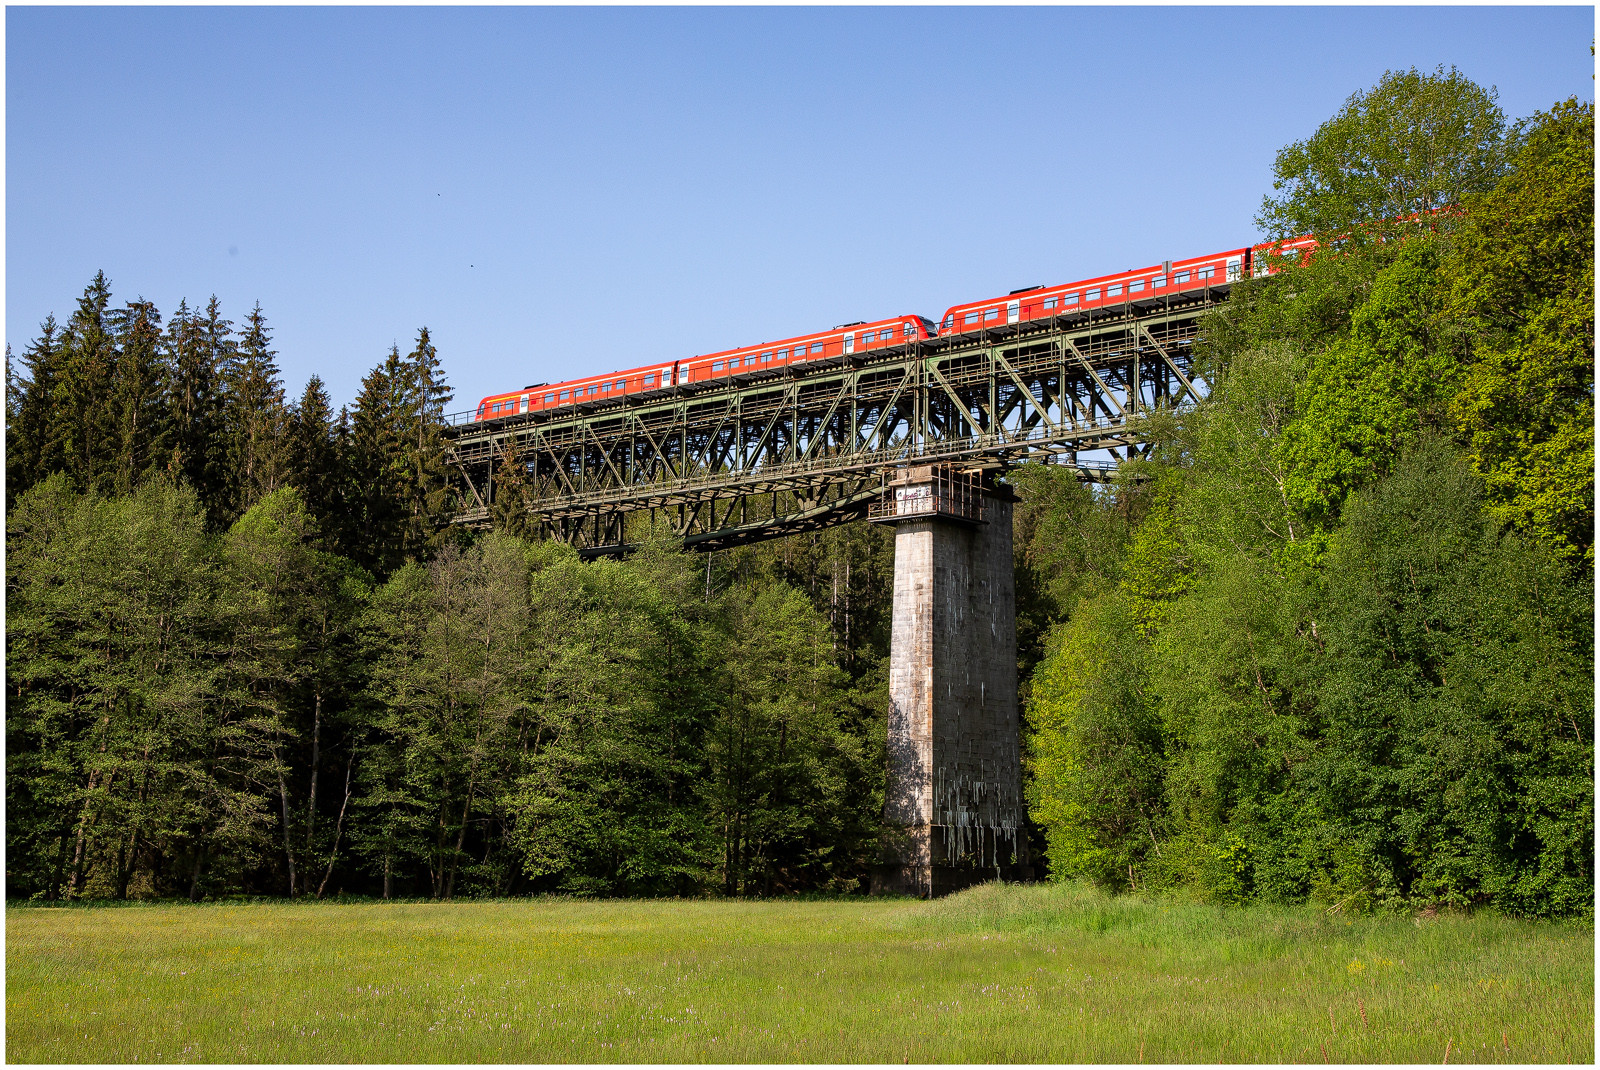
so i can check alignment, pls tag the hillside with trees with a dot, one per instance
(1329, 639)
(1333, 639)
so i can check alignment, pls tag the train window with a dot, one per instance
(910, 330)
(1114, 291)
(1070, 299)
(650, 380)
(1136, 286)
(1091, 295)
(1207, 272)
(868, 337)
(716, 366)
(949, 321)
(816, 347)
(548, 398)
(618, 384)
(1158, 282)
(564, 395)
(990, 314)
(970, 317)
(1049, 302)
(1180, 278)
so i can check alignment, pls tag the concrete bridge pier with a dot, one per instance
(953, 807)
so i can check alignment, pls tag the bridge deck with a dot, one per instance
(759, 455)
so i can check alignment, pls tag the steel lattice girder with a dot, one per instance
(766, 454)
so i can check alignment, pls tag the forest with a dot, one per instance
(1328, 638)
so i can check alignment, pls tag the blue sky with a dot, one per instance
(557, 192)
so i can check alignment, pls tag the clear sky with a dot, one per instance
(562, 191)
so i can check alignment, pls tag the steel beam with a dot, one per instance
(801, 447)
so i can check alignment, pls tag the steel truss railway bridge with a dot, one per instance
(760, 455)
(911, 435)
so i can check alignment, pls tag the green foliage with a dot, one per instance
(1096, 747)
(1068, 546)
(1460, 699)
(1387, 378)
(1359, 604)
(1523, 285)
(1412, 144)
(32, 450)
(194, 713)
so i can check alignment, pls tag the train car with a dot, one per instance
(1141, 284)
(1035, 302)
(1298, 249)
(541, 396)
(847, 338)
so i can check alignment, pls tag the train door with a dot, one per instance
(850, 342)
(524, 403)
(1233, 268)
(1013, 311)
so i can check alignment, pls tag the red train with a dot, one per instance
(1038, 302)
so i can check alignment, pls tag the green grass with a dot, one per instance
(1056, 973)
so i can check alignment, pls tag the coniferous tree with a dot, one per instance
(220, 349)
(313, 461)
(32, 445)
(425, 398)
(194, 407)
(85, 419)
(376, 470)
(509, 507)
(257, 419)
(137, 395)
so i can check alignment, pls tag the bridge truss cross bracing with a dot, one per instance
(760, 455)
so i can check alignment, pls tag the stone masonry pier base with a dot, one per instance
(953, 806)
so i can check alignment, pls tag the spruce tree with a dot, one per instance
(313, 460)
(84, 420)
(256, 417)
(32, 447)
(194, 413)
(136, 399)
(421, 408)
(376, 469)
(220, 350)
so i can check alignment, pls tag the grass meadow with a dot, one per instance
(999, 973)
